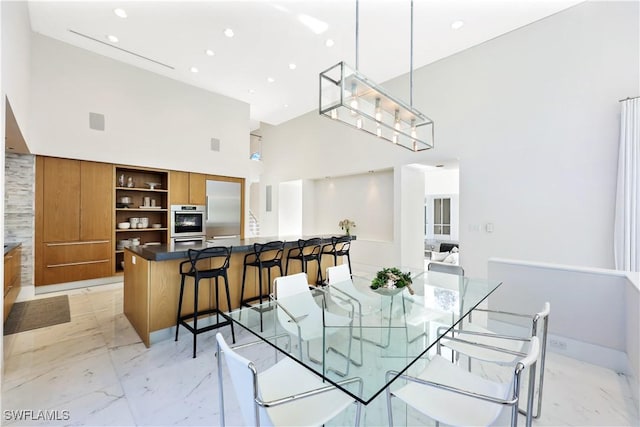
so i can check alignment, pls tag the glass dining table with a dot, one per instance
(389, 329)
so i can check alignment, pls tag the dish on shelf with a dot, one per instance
(123, 205)
(124, 225)
(150, 207)
(153, 185)
(152, 244)
(156, 225)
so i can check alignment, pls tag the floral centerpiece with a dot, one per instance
(347, 225)
(391, 279)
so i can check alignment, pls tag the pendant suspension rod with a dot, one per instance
(411, 62)
(357, 34)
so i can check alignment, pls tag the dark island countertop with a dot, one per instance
(168, 251)
(9, 246)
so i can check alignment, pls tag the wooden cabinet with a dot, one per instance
(61, 199)
(179, 188)
(74, 208)
(96, 188)
(188, 188)
(197, 189)
(147, 190)
(12, 272)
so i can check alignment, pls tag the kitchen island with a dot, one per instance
(152, 281)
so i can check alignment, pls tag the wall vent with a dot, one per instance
(96, 121)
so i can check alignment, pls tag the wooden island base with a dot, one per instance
(151, 290)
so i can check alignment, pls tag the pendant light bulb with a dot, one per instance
(395, 137)
(354, 100)
(378, 111)
(359, 122)
(334, 114)
(397, 120)
(378, 131)
(413, 129)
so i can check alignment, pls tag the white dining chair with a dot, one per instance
(479, 343)
(273, 398)
(451, 395)
(300, 315)
(343, 293)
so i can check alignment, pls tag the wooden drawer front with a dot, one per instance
(8, 272)
(75, 272)
(76, 253)
(72, 261)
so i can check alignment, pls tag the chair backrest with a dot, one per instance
(446, 268)
(244, 379)
(220, 253)
(261, 249)
(309, 246)
(287, 287)
(292, 284)
(341, 243)
(339, 273)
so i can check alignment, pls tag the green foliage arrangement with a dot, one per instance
(391, 273)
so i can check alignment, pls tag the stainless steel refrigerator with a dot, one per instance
(223, 209)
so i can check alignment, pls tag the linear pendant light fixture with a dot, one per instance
(349, 97)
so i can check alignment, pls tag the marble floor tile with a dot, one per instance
(97, 369)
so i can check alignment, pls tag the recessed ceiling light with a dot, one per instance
(271, 79)
(456, 25)
(314, 24)
(209, 52)
(329, 43)
(194, 69)
(112, 38)
(228, 32)
(252, 91)
(292, 66)
(286, 105)
(120, 12)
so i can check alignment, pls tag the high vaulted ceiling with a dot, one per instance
(171, 37)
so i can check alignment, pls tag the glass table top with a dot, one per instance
(363, 333)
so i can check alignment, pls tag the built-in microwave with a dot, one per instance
(188, 221)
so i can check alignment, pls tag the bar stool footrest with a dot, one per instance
(183, 321)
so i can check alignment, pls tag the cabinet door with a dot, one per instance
(61, 200)
(179, 191)
(96, 200)
(197, 189)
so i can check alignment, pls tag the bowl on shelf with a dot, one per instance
(156, 225)
(124, 225)
(153, 185)
(122, 264)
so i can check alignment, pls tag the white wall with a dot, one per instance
(442, 181)
(16, 45)
(410, 188)
(532, 117)
(150, 120)
(594, 312)
(367, 199)
(290, 208)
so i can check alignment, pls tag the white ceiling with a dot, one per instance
(269, 36)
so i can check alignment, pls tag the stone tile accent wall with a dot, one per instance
(19, 209)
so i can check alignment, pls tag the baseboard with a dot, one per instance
(586, 352)
(77, 285)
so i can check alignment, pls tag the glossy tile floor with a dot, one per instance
(95, 371)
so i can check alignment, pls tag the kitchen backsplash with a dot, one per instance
(19, 219)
